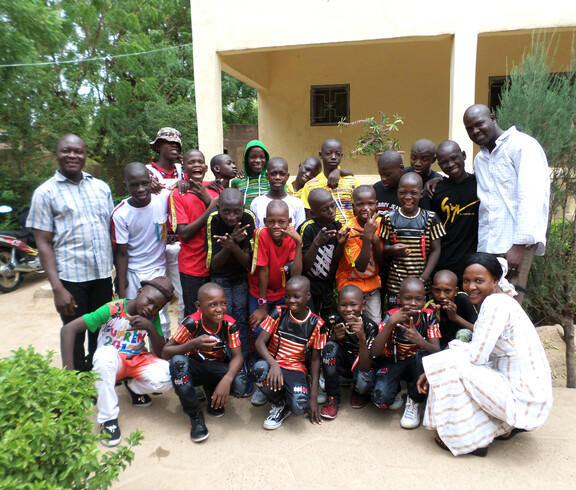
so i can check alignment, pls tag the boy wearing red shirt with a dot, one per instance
(189, 213)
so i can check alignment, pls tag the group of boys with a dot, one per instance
(281, 282)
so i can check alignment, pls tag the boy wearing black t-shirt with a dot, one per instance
(320, 251)
(228, 234)
(453, 308)
(456, 203)
(391, 169)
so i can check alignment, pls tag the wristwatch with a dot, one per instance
(262, 301)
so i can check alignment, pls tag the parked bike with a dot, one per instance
(18, 254)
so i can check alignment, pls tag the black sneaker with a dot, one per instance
(215, 412)
(140, 401)
(198, 430)
(277, 415)
(111, 432)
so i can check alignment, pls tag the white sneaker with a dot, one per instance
(411, 417)
(398, 402)
(277, 415)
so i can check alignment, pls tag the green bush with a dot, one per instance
(47, 436)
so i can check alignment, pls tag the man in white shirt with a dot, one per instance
(514, 191)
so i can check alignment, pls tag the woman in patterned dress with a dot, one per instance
(500, 383)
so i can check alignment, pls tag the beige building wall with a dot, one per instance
(424, 61)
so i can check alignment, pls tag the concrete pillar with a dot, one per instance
(208, 87)
(462, 87)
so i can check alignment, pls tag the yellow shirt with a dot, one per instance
(342, 195)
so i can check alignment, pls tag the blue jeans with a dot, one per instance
(336, 361)
(253, 306)
(295, 391)
(236, 291)
(188, 372)
(389, 374)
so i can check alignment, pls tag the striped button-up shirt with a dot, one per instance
(78, 216)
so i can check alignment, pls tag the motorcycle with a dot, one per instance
(18, 254)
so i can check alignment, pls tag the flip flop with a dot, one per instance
(440, 443)
(510, 435)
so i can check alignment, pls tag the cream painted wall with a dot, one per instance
(409, 78)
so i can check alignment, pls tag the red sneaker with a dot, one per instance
(330, 408)
(358, 401)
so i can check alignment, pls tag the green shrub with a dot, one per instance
(47, 436)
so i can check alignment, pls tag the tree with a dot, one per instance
(543, 104)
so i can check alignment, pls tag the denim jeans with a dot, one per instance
(190, 287)
(187, 372)
(336, 361)
(236, 291)
(389, 374)
(295, 391)
(253, 306)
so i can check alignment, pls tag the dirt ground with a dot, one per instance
(360, 448)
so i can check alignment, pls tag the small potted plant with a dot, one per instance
(375, 137)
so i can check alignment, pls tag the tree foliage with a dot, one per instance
(47, 437)
(115, 102)
(543, 104)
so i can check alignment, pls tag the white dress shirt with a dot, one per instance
(514, 192)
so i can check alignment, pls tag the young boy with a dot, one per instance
(453, 309)
(198, 355)
(277, 176)
(277, 253)
(363, 252)
(123, 326)
(254, 182)
(391, 169)
(411, 238)
(166, 173)
(139, 226)
(406, 334)
(281, 373)
(320, 251)
(456, 203)
(349, 335)
(224, 170)
(331, 156)
(228, 234)
(188, 213)
(422, 156)
(307, 169)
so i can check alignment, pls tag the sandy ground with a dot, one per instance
(359, 448)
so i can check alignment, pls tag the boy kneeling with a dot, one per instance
(121, 351)
(199, 356)
(281, 373)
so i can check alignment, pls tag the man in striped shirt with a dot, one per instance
(70, 215)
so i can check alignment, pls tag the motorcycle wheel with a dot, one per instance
(9, 280)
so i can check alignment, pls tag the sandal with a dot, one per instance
(480, 452)
(511, 434)
(440, 443)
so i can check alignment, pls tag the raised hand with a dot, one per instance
(324, 236)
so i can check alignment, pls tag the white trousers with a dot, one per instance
(149, 374)
(173, 274)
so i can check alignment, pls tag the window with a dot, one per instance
(329, 104)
